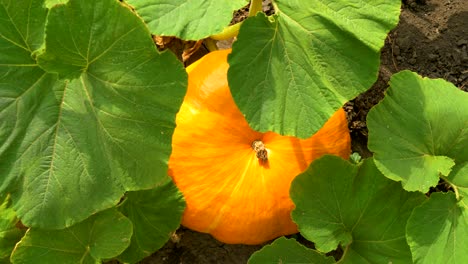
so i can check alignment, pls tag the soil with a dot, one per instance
(430, 39)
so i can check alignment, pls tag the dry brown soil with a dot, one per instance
(431, 39)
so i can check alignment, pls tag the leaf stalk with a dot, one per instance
(233, 30)
(210, 44)
(454, 187)
(228, 32)
(255, 7)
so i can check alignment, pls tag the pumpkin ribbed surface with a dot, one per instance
(230, 192)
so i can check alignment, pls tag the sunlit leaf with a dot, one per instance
(290, 72)
(437, 231)
(355, 207)
(71, 147)
(416, 136)
(102, 236)
(284, 250)
(155, 215)
(186, 19)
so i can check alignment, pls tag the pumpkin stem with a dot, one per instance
(260, 150)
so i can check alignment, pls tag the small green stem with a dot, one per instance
(255, 7)
(228, 32)
(211, 44)
(455, 189)
(233, 30)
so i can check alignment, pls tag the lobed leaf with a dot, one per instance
(416, 136)
(24, 87)
(71, 147)
(102, 236)
(21, 32)
(186, 19)
(355, 207)
(284, 250)
(155, 214)
(437, 230)
(290, 72)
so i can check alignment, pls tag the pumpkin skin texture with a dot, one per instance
(230, 193)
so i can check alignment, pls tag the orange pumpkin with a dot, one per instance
(236, 180)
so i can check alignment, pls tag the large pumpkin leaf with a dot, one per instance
(9, 233)
(437, 230)
(416, 136)
(284, 250)
(102, 236)
(71, 148)
(354, 206)
(23, 85)
(155, 215)
(186, 19)
(290, 72)
(21, 32)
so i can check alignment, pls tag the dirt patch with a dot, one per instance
(190, 247)
(431, 39)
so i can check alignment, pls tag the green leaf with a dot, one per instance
(290, 72)
(459, 174)
(102, 236)
(71, 148)
(155, 215)
(21, 32)
(9, 233)
(354, 206)
(284, 250)
(186, 19)
(23, 85)
(416, 136)
(464, 195)
(437, 231)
